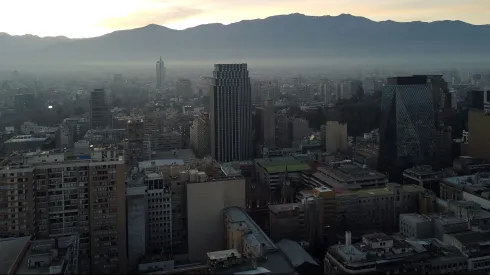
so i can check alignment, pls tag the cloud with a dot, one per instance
(161, 16)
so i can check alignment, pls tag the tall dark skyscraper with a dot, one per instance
(231, 113)
(160, 74)
(99, 110)
(407, 129)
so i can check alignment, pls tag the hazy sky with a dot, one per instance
(77, 18)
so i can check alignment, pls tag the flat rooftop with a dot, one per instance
(421, 171)
(159, 162)
(378, 191)
(281, 164)
(10, 250)
(476, 183)
(180, 154)
(278, 208)
(29, 138)
(153, 176)
(350, 172)
(216, 255)
(276, 263)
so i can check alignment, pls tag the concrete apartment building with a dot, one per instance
(149, 216)
(137, 220)
(159, 213)
(69, 193)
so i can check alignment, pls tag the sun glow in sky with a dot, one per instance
(87, 18)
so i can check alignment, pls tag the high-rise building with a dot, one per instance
(231, 113)
(269, 123)
(135, 149)
(284, 131)
(99, 110)
(51, 194)
(407, 129)
(160, 74)
(301, 129)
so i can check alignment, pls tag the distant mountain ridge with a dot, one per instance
(277, 37)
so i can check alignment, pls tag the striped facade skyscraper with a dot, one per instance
(231, 113)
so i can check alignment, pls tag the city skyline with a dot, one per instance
(81, 20)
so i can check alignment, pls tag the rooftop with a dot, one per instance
(281, 164)
(180, 154)
(345, 175)
(295, 253)
(237, 214)
(159, 162)
(379, 191)
(472, 238)
(275, 263)
(424, 170)
(29, 138)
(52, 256)
(478, 183)
(377, 237)
(363, 255)
(346, 171)
(278, 208)
(10, 250)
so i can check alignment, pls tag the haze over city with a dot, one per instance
(216, 137)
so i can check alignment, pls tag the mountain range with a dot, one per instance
(283, 37)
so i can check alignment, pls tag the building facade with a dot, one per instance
(200, 135)
(231, 115)
(99, 110)
(407, 129)
(160, 69)
(58, 194)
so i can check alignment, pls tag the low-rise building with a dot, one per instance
(24, 255)
(379, 253)
(30, 143)
(272, 171)
(344, 175)
(474, 188)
